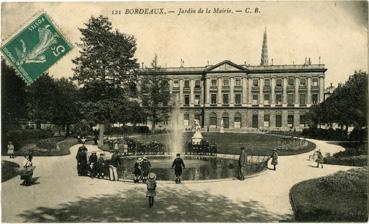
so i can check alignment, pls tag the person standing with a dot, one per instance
(27, 172)
(79, 160)
(101, 166)
(319, 159)
(10, 149)
(113, 167)
(146, 166)
(242, 164)
(84, 164)
(177, 165)
(274, 158)
(93, 164)
(151, 188)
(138, 170)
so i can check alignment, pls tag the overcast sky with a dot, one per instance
(335, 31)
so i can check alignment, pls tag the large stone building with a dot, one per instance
(272, 97)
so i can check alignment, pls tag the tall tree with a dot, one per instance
(106, 69)
(66, 109)
(41, 100)
(155, 94)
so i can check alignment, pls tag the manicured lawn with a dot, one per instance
(230, 143)
(8, 170)
(355, 154)
(341, 197)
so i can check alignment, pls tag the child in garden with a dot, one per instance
(151, 188)
(101, 166)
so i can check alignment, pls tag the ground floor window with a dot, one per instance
(302, 120)
(225, 119)
(290, 121)
(266, 120)
(255, 123)
(213, 119)
(186, 119)
(278, 120)
(237, 120)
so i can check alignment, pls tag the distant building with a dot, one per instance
(266, 96)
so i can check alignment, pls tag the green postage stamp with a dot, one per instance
(35, 48)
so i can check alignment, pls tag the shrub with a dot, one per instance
(325, 134)
(20, 136)
(341, 197)
(48, 143)
(127, 130)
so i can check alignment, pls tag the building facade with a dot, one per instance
(232, 96)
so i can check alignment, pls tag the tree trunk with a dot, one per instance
(153, 123)
(67, 131)
(101, 135)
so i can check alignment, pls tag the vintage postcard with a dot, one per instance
(239, 111)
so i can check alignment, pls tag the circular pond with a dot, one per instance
(197, 167)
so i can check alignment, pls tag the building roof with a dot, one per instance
(227, 66)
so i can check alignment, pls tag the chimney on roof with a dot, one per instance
(305, 61)
(264, 50)
(182, 62)
(309, 61)
(319, 60)
(142, 65)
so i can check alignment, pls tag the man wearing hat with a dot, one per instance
(151, 188)
(242, 163)
(274, 158)
(138, 170)
(113, 167)
(177, 165)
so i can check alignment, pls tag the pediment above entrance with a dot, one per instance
(225, 66)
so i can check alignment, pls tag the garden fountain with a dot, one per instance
(175, 138)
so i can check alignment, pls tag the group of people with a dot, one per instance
(141, 169)
(93, 167)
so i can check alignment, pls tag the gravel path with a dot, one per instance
(62, 196)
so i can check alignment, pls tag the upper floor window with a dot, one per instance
(315, 82)
(267, 82)
(237, 98)
(302, 82)
(186, 100)
(291, 82)
(187, 84)
(255, 82)
(197, 99)
(255, 99)
(213, 82)
(225, 82)
(278, 99)
(238, 82)
(213, 98)
(225, 99)
(279, 82)
(175, 83)
(315, 98)
(197, 83)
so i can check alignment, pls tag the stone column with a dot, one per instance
(170, 86)
(261, 93)
(244, 91)
(321, 89)
(272, 119)
(273, 82)
(181, 99)
(285, 119)
(231, 94)
(284, 102)
(220, 98)
(207, 91)
(192, 95)
(202, 92)
(297, 96)
(261, 118)
(308, 104)
(249, 92)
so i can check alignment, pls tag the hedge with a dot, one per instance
(20, 137)
(341, 197)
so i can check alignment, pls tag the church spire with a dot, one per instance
(264, 50)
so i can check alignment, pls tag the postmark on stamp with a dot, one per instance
(35, 48)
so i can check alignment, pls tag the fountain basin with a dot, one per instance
(197, 167)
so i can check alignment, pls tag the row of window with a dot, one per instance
(213, 120)
(255, 99)
(255, 82)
